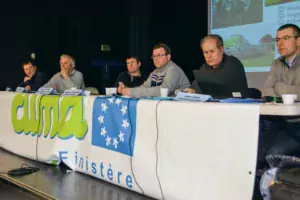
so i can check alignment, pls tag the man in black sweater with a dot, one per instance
(33, 79)
(132, 77)
(228, 70)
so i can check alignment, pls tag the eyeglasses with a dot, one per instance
(158, 56)
(285, 38)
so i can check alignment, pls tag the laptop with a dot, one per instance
(211, 84)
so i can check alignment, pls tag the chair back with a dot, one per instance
(253, 93)
(93, 90)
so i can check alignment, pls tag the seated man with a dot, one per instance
(167, 75)
(68, 77)
(284, 78)
(34, 79)
(228, 69)
(132, 77)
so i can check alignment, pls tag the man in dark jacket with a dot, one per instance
(228, 70)
(132, 77)
(33, 79)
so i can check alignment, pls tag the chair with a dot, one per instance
(253, 93)
(93, 90)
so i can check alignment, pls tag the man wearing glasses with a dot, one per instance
(284, 77)
(166, 75)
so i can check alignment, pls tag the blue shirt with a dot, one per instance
(291, 62)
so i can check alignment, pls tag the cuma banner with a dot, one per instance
(49, 115)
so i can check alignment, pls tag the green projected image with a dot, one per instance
(261, 54)
(275, 2)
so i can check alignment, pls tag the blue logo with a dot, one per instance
(114, 124)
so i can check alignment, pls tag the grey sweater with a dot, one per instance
(170, 76)
(283, 79)
(75, 80)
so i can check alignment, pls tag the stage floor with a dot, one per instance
(8, 191)
(54, 182)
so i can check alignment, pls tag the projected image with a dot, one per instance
(251, 55)
(248, 28)
(275, 2)
(226, 13)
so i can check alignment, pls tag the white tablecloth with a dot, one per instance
(180, 150)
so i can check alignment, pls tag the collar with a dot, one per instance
(221, 64)
(132, 75)
(292, 62)
(73, 72)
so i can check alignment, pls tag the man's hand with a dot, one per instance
(27, 88)
(281, 87)
(64, 73)
(54, 87)
(189, 90)
(121, 87)
(125, 92)
(27, 78)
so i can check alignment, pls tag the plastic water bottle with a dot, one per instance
(267, 179)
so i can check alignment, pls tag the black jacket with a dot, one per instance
(38, 80)
(129, 81)
(230, 73)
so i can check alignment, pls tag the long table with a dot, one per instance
(279, 109)
(162, 149)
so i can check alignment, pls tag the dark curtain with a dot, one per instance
(130, 27)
